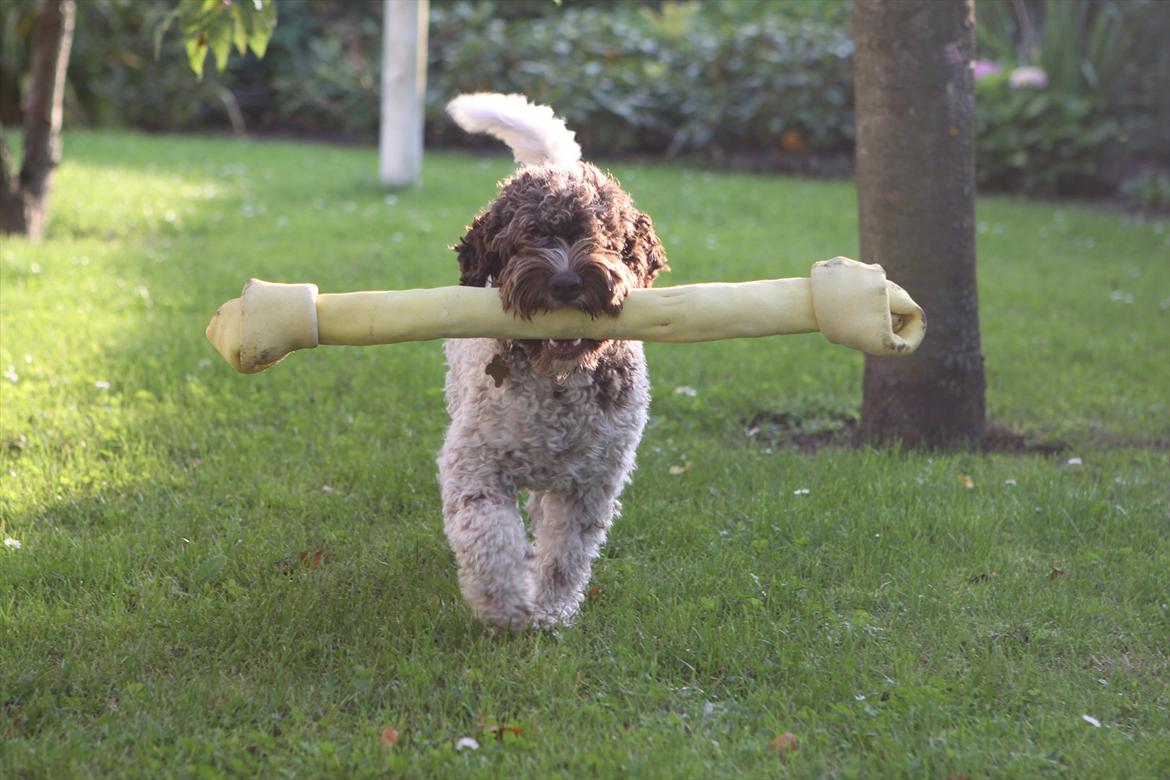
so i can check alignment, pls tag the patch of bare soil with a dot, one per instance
(811, 432)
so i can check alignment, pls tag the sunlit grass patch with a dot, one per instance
(220, 575)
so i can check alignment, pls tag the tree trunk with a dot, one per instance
(24, 200)
(404, 79)
(916, 194)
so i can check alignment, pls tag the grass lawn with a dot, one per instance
(171, 613)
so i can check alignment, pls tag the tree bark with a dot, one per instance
(916, 200)
(24, 199)
(404, 78)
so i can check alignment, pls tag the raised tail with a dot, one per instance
(534, 133)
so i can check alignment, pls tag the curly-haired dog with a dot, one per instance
(561, 419)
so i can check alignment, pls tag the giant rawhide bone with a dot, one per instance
(851, 303)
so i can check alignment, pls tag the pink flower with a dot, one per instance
(1028, 76)
(984, 68)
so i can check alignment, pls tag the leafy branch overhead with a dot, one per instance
(218, 25)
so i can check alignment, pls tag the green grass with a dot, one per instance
(158, 622)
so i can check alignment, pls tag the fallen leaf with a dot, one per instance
(499, 731)
(966, 481)
(958, 777)
(595, 591)
(783, 744)
(311, 559)
(683, 469)
(984, 577)
(327, 490)
(389, 737)
(1055, 573)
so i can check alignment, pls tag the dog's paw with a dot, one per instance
(560, 616)
(505, 616)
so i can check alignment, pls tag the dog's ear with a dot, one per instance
(644, 253)
(477, 261)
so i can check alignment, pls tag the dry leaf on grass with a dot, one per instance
(389, 737)
(783, 744)
(1055, 573)
(499, 731)
(984, 577)
(966, 481)
(311, 559)
(683, 469)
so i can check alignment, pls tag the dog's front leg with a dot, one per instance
(569, 531)
(486, 533)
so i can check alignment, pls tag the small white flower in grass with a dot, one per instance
(12, 544)
(690, 392)
(801, 492)
(466, 743)
(1091, 721)
(102, 384)
(11, 375)
(859, 696)
(1075, 462)
(1009, 482)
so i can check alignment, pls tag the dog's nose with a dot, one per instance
(565, 285)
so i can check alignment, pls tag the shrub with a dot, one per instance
(1036, 140)
(684, 78)
(766, 81)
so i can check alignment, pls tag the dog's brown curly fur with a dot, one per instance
(579, 213)
(540, 204)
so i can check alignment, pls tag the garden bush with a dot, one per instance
(1036, 141)
(684, 78)
(728, 81)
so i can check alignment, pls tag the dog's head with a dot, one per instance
(561, 236)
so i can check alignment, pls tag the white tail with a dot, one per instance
(534, 134)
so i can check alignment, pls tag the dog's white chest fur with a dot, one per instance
(543, 433)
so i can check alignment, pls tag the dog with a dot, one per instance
(560, 419)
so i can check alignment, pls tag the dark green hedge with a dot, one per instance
(723, 80)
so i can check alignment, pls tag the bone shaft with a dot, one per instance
(697, 312)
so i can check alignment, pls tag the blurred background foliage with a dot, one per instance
(759, 84)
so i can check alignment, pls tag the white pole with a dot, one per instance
(404, 78)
